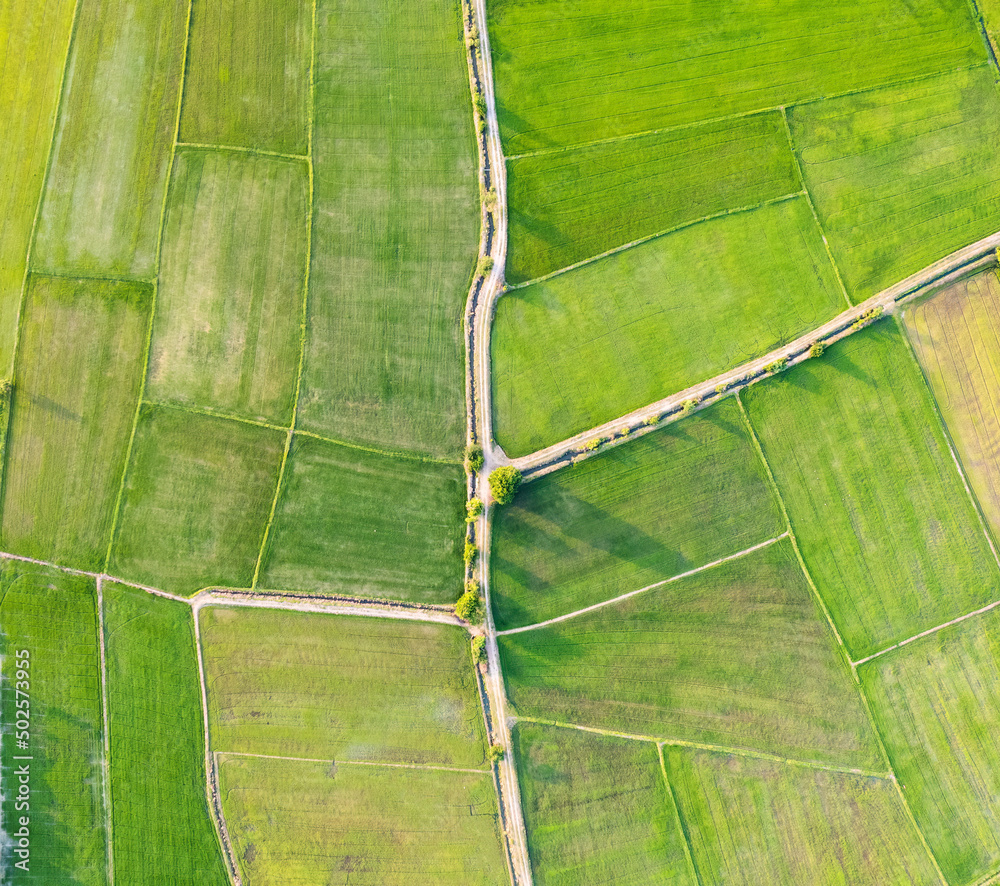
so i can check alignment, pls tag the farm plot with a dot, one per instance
(34, 39)
(229, 305)
(49, 620)
(937, 702)
(597, 342)
(903, 176)
(566, 206)
(197, 496)
(580, 71)
(321, 686)
(956, 336)
(738, 655)
(885, 525)
(395, 227)
(104, 193)
(162, 826)
(597, 810)
(296, 822)
(670, 501)
(247, 77)
(990, 10)
(366, 524)
(79, 370)
(752, 821)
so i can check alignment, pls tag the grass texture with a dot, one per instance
(52, 618)
(366, 524)
(229, 304)
(597, 810)
(891, 537)
(738, 655)
(605, 527)
(162, 826)
(597, 342)
(321, 686)
(78, 374)
(197, 496)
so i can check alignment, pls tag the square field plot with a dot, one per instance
(197, 498)
(248, 74)
(901, 177)
(594, 343)
(937, 702)
(163, 832)
(103, 199)
(887, 529)
(572, 71)
(296, 822)
(566, 206)
(956, 336)
(51, 700)
(79, 371)
(738, 655)
(227, 332)
(670, 501)
(322, 686)
(361, 523)
(597, 810)
(755, 821)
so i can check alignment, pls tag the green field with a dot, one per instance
(362, 523)
(738, 655)
(395, 226)
(247, 73)
(903, 176)
(197, 496)
(956, 336)
(34, 38)
(53, 617)
(937, 703)
(606, 527)
(597, 810)
(754, 822)
(229, 303)
(566, 206)
(162, 826)
(886, 528)
(321, 686)
(78, 373)
(310, 823)
(104, 193)
(577, 71)
(597, 342)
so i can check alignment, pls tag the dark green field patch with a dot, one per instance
(248, 75)
(49, 619)
(902, 177)
(597, 810)
(197, 496)
(163, 832)
(886, 527)
(670, 501)
(78, 374)
(322, 686)
(566, 206)
(363, 523)
(738, 655)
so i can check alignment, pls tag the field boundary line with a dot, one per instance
(862, 695)
(991, 880)
(106, 768)
(409, 456)
(237, 149)
(681, 825)
(335, 762)
(209, 413)
(739, 210)
(812, 206)
(83, 277)
(658, 584)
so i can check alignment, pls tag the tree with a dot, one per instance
(468, 607)
(504, 482)
(473, 508)
(816, 349)
(495, 753)
(474, 458)
(479, 648)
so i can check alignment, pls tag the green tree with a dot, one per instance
(473, 508)
(469, 607)
(474, 458)
(816, 349)
(504, 483)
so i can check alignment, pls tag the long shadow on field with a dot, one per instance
(52, 406)
(511, 123)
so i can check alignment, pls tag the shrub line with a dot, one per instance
(236, 149)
